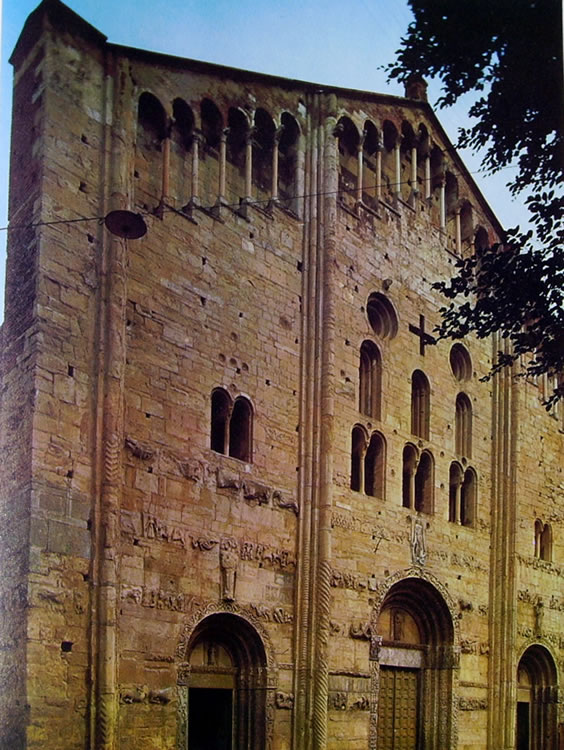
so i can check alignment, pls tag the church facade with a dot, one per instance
(248, 501)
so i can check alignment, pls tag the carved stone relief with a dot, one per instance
(473, 704)
(139, 450)
(229, 562)
(417, 541)
(284, 700)
(149, 526)
(360, 630)
(337, 701)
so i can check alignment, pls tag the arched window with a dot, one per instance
(466, 228)
(437, 182)
(238, 134)
(151, 131)
(182, 135)
(463, 426)
(288, 192)
(375, 466)
(538, 534)
(231, 425)
(370, 380)
(481, 240)
(389, 168)
(240, 430)
(462, 495)
(358, 450)
(370, 174)
(543, 541)
(420, 404)
(408, 143)
(451, 206)
(460, 363)
(456, 477)
(212, 127)
(424, 483)
(468, 498)
(422, 156)
(381, 316)
(263, 146)
(348, 140)
(220, 413)
(409, 464)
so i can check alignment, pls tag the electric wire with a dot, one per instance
(233, 206)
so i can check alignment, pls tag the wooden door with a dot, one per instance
(398, 701)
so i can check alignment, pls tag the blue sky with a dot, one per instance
(326, 41)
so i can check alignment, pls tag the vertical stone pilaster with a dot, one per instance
(503, 600)
(110, 407)
(326, 422)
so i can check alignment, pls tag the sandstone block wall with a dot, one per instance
(143, 562)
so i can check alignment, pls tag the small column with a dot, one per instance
(222, 162)
(166, 170)
(428, 176)
(248, 165)
(458, 237)
(412, 487)
(360, 160)
(397, 159)
(442, 201)
(414, 186)
(275, 156)
(457, 502)
(379, 167)
(195, 199)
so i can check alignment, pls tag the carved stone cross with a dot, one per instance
(424, 338)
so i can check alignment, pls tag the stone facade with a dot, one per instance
(245, 501)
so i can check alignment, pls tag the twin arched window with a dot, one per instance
(418, 480)
(462, 495)
(231, 425)
(368, 462)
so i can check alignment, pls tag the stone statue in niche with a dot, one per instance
(418, 544)
(398, 622)
(229, 562)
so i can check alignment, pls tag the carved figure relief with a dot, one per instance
(338, 701)
(418, 543)
(229, 561)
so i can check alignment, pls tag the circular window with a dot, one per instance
(381, 316)
(460, 362)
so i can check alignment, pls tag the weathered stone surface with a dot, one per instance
(249, 416)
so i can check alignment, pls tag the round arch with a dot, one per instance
(226, 679)
(414, 661)
(537, 695)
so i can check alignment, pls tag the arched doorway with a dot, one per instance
(536, 700)
(225, 685)
(414, 633)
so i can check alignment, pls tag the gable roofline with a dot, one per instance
(61, 17)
